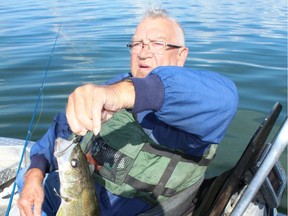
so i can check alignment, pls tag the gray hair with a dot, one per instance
(154, 13)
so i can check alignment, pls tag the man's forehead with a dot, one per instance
(152, 29)
(150, 37)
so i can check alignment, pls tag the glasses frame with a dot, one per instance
(173, 46)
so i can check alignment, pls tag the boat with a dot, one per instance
(10, 151)
(255, 184)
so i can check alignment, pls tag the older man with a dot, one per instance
(162, 118)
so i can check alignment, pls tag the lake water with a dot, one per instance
(244, 40)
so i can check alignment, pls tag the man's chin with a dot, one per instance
(143, 72)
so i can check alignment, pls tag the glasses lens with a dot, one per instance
(135, 46)
(156, 47)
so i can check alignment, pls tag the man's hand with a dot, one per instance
(90, 105)
(32, 196)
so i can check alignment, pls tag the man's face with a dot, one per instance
(158, 29)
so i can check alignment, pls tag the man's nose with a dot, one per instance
(145, 51)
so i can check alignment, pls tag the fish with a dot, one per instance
(77, 189)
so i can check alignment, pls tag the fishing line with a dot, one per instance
(79, 54)
(31, 123)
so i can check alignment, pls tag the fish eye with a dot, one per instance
(74, 163)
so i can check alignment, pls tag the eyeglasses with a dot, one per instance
(156, 47)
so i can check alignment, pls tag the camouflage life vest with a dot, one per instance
(128, 163)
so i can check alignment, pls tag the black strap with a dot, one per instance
(160, 187)
(159, 150)
(143, 186)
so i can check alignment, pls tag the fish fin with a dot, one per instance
(64, 198)
(91, 168)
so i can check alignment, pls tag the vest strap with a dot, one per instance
(160, 187)
(154, 149)
(142, 186)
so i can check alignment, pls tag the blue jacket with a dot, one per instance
(184, 109)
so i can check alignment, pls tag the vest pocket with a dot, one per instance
(112, 164)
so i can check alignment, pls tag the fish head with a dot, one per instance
(72, 165)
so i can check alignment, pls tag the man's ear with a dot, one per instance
(182, 56)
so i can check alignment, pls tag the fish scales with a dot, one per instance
(77, 189)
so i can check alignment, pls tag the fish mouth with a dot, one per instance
(62, 146)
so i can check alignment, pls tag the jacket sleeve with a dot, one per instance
(199, 103)
(41, 154)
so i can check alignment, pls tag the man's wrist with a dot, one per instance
(125, 93)
(34, 173)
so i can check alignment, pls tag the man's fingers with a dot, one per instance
(38, 205)
(106, 115)
(22, 213)
(82, 99)
(25, 207)
(90, 105)
(72, 118)
(96, 116)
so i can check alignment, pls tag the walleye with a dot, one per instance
(77, 189)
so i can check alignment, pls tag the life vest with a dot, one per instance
(128, 163)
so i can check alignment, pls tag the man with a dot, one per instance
(183, 113)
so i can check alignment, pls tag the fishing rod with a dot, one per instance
(32, 121)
